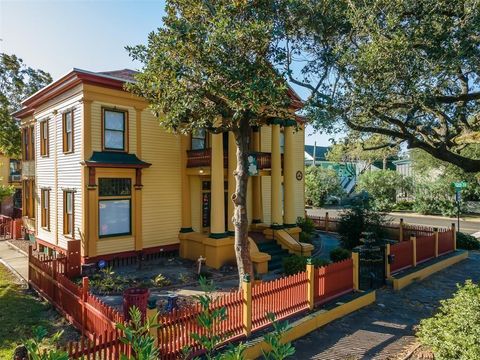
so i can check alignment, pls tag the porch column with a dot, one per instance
(232, 165)
(276, 177)
(257, 211)
(217, 210)
(289, 176)
(185, 186)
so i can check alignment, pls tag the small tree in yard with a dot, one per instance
(6, 191)
(210, 66)
(320, 183)
(454, 332)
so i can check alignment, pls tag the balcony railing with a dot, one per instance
(14, 178)
(203, 158)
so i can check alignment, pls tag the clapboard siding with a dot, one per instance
(96, 125)
(196, 202)
(161, 193)
(59, 171)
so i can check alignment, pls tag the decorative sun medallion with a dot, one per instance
(299, 175)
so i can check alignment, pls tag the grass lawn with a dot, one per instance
(20, 311)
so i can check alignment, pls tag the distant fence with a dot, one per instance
(416, 250)
(6, 227)
(394, 231)
(247, 309)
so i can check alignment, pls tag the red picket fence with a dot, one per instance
(84, 310)
(333, 280)
(446, 242)
(177, 327)
(425, 248)
(283, 297)
(418, 231)
(402, 253)
(6, 227)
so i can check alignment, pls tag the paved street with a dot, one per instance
(384, 329)
(468, 225)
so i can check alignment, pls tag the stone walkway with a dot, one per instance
(384, 329)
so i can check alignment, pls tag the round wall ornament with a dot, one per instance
(299, 175)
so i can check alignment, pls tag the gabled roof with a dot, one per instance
(114, 79)
(320, 152)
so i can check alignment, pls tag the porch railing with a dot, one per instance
(203, 158)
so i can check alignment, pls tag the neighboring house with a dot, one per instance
(97, 167)
(404, 167)
(10, 175)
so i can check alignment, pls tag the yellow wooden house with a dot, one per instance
(98, 168)
(10, 175)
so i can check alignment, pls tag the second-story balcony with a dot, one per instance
(203, 158)
(14, 177)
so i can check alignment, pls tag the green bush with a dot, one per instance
(296, 263)
(308, 229)
(453, 333)
(435, 197)
(339, 254)
(360, 218)
(383, 185)
(403, 205)
(321, 183)
(467, 242)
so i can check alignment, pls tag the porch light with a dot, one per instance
(200, 171)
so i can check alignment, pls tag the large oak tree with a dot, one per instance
(210, 66)
(406, 69)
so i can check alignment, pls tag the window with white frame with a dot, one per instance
(114, 207)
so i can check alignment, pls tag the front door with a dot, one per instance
(206, 205)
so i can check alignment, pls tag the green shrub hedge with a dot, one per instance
(296, 263)
(467, 242)
(339, 254)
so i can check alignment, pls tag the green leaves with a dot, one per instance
(40, 346)
(279, 349)
(17, 81)
(321, 183)
(454, 332)
(136, 333)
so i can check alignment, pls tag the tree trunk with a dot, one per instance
(239, 198)
(384, 163)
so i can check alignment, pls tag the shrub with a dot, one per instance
(36, 346)
(106, 281)
(308, 229)
(321, 183)
(296, 263)
(383, 185)
(403, 205)
(339, 254)
(467, 242)
(452, 333)
(435, 197)
(360, 218)
(160, 280)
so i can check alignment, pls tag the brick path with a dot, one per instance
(382, 330)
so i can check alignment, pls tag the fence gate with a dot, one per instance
(371, 263)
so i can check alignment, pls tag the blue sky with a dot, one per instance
(59, 35)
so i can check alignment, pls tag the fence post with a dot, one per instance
(247, 305)
(326, 221)
(400, 231)
(435, 233)
(387, 263)
(454, 233)
(30, 252)
(310, 284)
(85, 286)
(356, 264)
(413, 239)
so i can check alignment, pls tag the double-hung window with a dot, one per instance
(114, 207)
(199, 139)
(114, 130)
(68, 213)
(68, 132)
(45, 204)
(44, 138)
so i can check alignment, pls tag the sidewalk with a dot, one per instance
(14, 260)
(386, 330)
